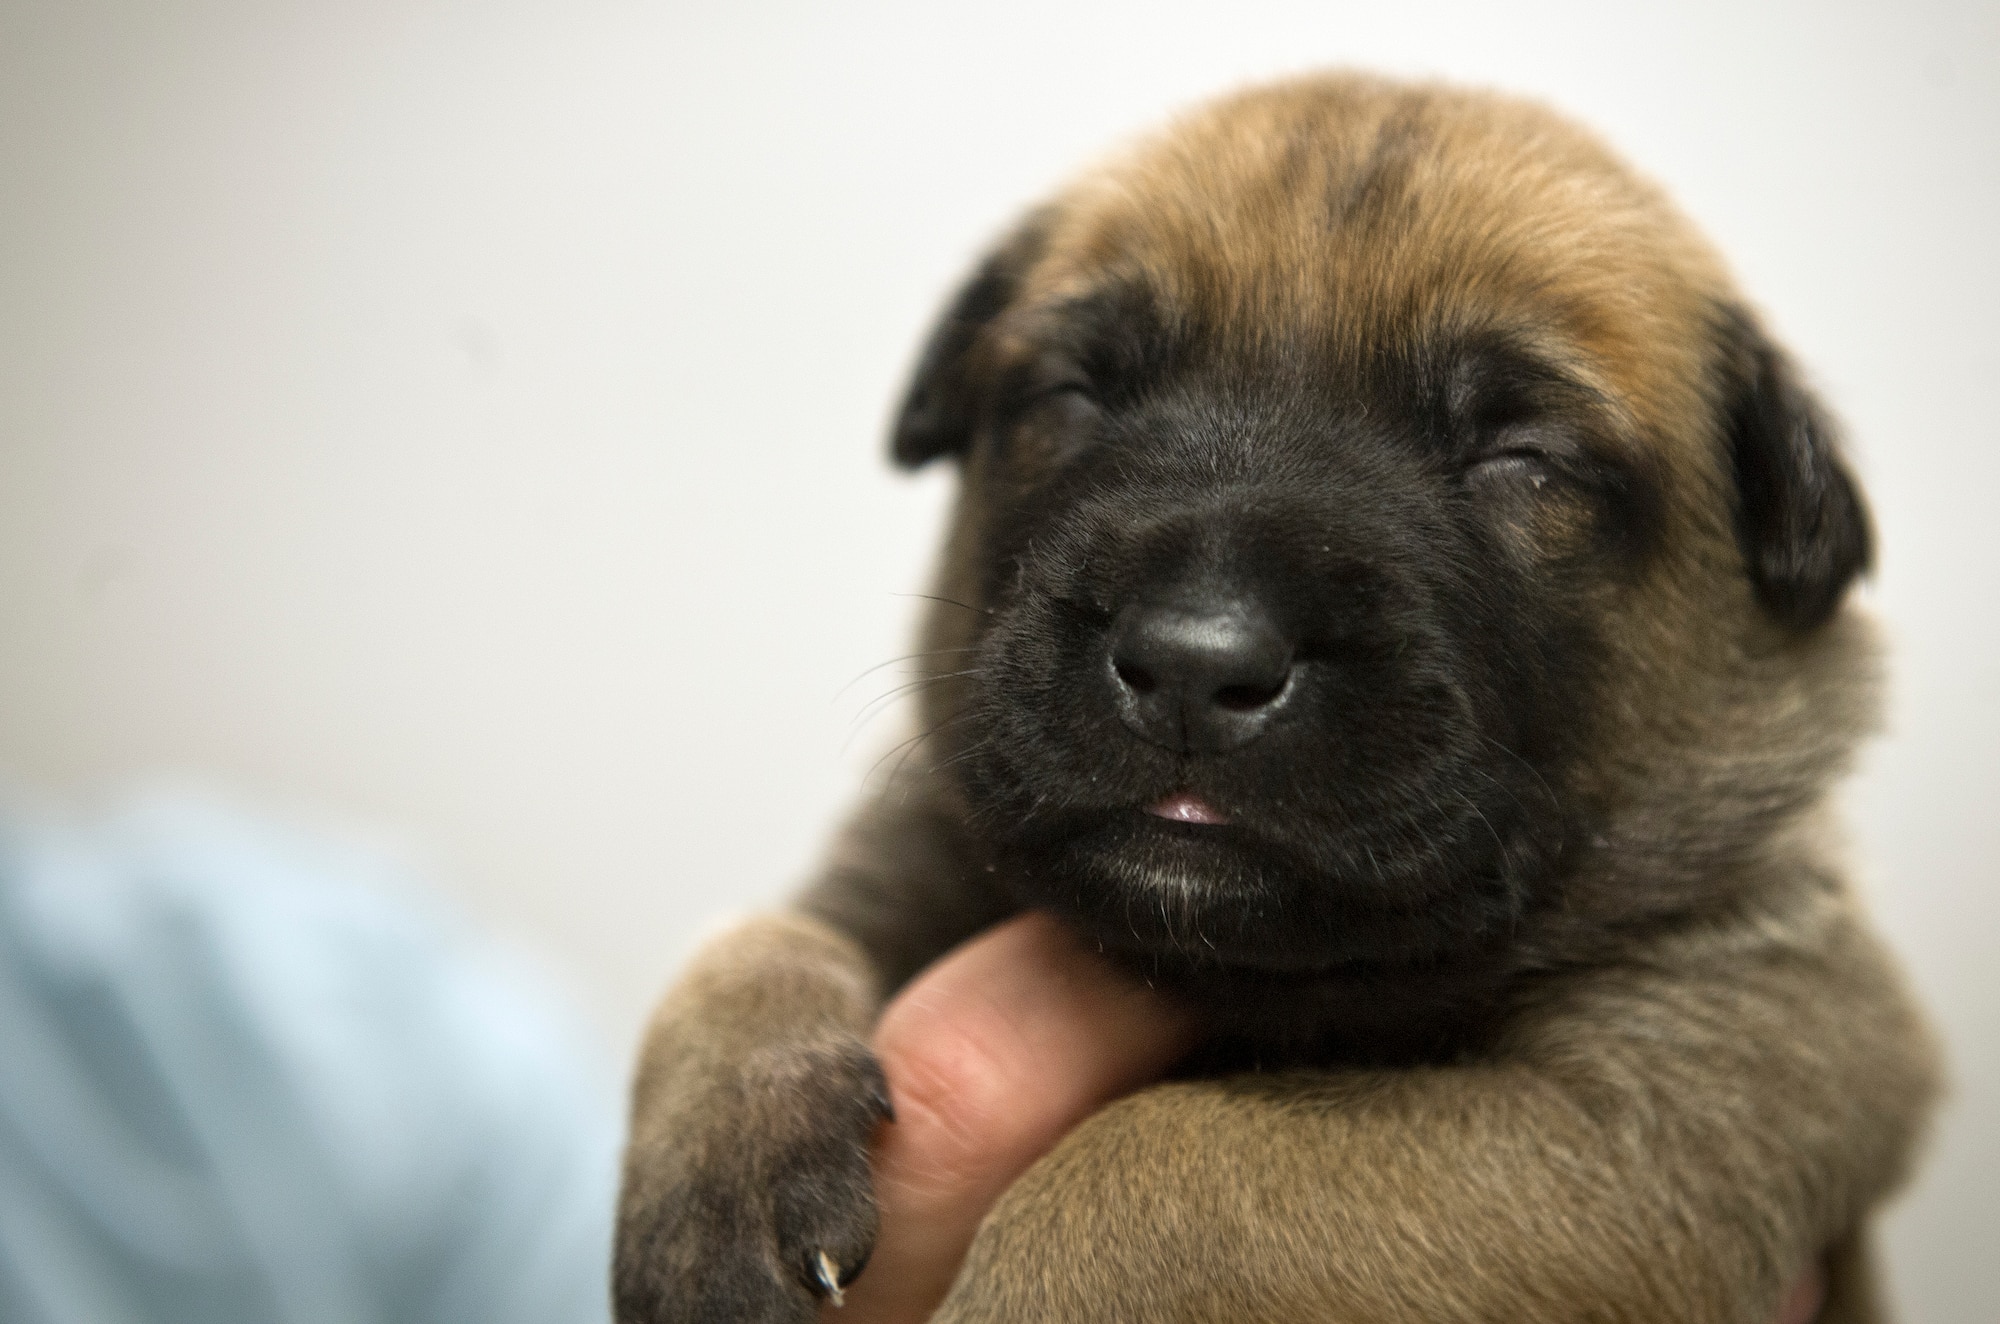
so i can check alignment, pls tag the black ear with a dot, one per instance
(1800, 518)
(941, 408)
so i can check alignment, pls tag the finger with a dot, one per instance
(992, 1055)
(1808, 1294)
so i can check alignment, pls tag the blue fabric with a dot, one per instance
(247, 1077)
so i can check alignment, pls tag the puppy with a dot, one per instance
(1395, 598)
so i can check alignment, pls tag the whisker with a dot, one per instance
(1499, 786)
(909, 746)
(847, 744)
(1555, 801)
(907, 657)
(949, 602)
(1491, 831)
(976, 747)
(876, 766)
(875, 706)
(894, 692)
(896, 772)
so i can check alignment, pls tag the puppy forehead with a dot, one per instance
(1360, 220)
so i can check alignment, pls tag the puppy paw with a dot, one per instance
(752, 1203)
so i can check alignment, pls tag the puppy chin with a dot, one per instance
(1175, 894)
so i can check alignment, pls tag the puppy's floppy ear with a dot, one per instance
(941, 408)
(1800, 519)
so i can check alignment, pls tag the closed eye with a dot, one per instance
(1517, 465)
(1048, 424)
(1060, 390)
(1038, 382)
(1071, 409)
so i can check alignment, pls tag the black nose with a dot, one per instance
(1198, 681)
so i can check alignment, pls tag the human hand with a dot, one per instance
(992, 1055)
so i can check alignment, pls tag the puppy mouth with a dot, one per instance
(1187, 807)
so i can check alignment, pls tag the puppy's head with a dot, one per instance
(1383, 532)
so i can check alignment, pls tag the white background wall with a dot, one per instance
(463, 418)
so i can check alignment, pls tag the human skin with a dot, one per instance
(992, 1055)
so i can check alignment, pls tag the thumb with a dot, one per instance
(992, 1055)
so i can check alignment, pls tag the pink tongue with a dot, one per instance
(1182, 807)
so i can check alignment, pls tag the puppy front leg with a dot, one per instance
(1657, 1145)
(746, 1193)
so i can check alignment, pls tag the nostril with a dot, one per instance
(1136, 678)
(1249, 698)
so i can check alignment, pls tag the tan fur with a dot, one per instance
(1717, 1075)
